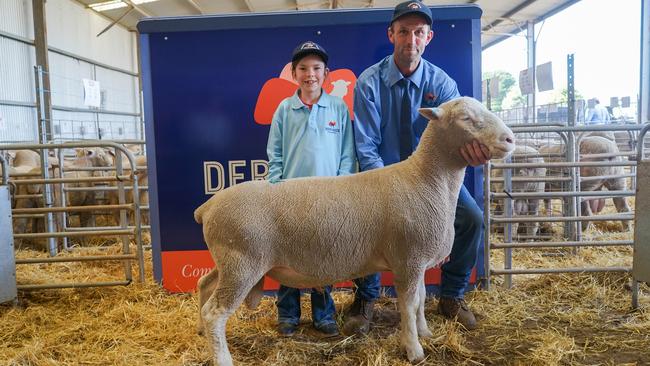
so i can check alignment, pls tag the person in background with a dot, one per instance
(311, 135)
(387, 129)
(597, 115)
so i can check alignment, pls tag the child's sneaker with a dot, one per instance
(286, 329)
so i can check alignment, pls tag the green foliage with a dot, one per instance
(519, 101)
(563, 97)
(506, 82)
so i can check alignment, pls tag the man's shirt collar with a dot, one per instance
(393, 75)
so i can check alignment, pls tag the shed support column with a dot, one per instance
(40, 45)
(644, 83)
(532, 61)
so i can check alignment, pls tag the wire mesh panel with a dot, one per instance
(119, 91)
(74, 126)
(112, 113)
(117, 127)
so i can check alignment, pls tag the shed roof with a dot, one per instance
(501, 18)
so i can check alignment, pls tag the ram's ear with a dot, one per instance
(432, 114)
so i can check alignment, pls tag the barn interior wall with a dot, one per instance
(76, 53)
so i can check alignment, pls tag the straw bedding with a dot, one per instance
(565, 319)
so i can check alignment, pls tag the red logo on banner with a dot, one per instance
(339, 83)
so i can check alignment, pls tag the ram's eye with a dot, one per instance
(465, 117)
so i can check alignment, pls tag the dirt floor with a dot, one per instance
(543, 320)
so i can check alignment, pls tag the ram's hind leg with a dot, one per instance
(233, 285)
(206, 287)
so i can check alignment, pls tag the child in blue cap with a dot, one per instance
(311, 135)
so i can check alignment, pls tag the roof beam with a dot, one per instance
(547, 15)
(106, 17)
(510, 13)
(130, 9)
(195, 6)
(137, 8)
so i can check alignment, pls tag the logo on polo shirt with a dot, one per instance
(332, 128)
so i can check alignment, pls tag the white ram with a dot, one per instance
(311, 232)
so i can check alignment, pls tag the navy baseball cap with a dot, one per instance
(309, 47)
(412, 7)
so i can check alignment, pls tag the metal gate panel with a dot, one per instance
(7, 260)
(641, 267)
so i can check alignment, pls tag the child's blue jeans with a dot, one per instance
(322, 306)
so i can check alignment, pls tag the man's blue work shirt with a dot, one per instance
(316, 142)
(377, 104)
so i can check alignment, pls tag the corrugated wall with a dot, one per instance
(17, 18)
(120, 92)
(78, 54)
(115, 47)
(17, 124)
(17, 94)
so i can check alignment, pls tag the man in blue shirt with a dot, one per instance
(387, 128)
(597, 115)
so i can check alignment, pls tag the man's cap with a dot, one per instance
(412, 7)
(309, 47)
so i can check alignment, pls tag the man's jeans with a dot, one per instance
(322, 306)
(468, 225)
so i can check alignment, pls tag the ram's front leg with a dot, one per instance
(421, 321)
(407, 285)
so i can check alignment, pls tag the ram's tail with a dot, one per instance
(198, 213)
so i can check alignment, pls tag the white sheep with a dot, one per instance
(85, 158)
(143, 180)
(602, 145)
(27, 164)
(592, 143)
(311, 232)
(524, 206)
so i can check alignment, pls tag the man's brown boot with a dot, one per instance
(358, 317)
(457, 309)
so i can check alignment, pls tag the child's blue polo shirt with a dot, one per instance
(316, 142)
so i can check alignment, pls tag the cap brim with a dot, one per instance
(306, 52)
(416, 12)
